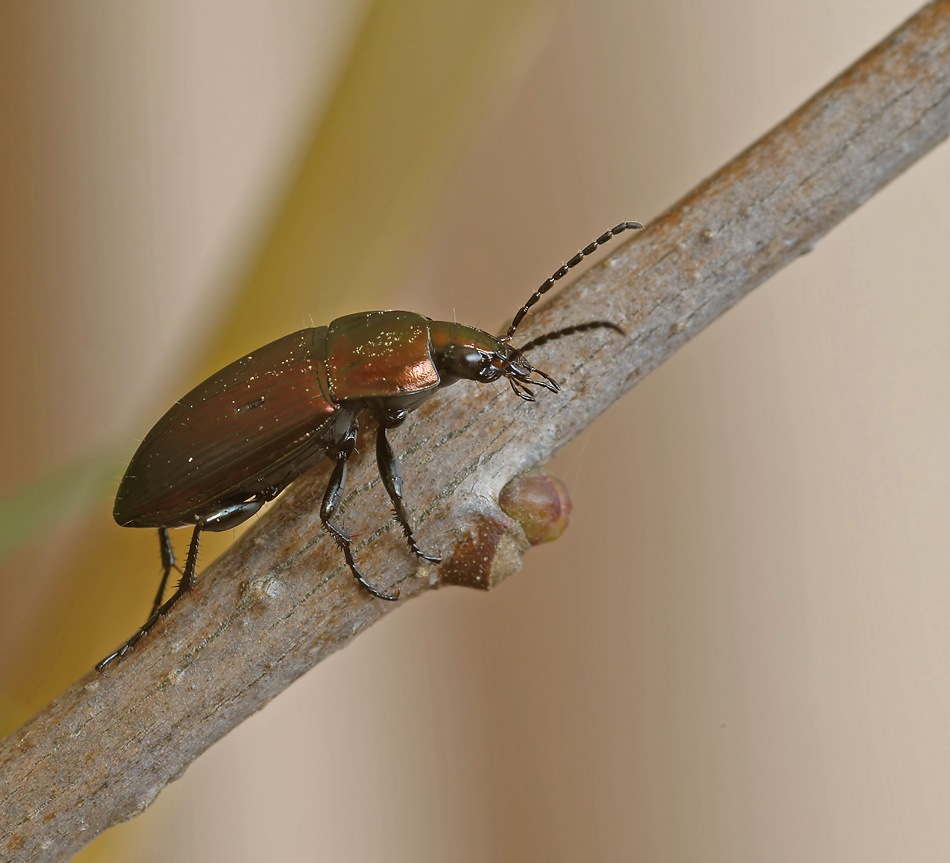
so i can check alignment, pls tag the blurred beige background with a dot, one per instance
(740, 649)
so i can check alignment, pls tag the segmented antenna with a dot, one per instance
(560, 273)
(569, 331)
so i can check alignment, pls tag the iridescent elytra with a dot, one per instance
(238, 439)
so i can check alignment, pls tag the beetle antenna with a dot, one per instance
(562, 271)
(569, 331)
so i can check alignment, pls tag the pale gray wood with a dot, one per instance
(280, 600)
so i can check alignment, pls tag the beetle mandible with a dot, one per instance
(238, 439)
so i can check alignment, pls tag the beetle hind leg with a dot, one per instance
(168, 564)
(331, 500)
(186, 583)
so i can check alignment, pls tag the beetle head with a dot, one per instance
(467, 353)
(470, 354)
(477, 356)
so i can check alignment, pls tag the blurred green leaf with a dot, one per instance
(420, 78)
(33, 507)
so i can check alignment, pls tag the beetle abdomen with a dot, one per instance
(256, 424)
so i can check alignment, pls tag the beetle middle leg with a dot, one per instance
(341, 450)
(391, 475)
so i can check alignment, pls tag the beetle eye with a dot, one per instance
(461, 361)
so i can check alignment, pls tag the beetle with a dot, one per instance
(238, 439)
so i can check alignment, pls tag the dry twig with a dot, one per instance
(104, 749)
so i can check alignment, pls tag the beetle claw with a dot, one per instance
(430, 558)
(379, 594)
(343, 541)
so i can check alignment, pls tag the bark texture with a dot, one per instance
(280, 599)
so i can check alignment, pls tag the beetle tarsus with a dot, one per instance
(331, 498)
(187, 583)
(342, 539)
(391, 475)
(431, 558)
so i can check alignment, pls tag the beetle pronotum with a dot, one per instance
(238, 439)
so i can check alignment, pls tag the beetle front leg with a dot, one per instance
(391, 475)
(341, 451)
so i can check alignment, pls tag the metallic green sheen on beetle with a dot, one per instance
(238, 439)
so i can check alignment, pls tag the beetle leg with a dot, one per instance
(391, 475)
(168, 564)
(232, 515)
(341, 451)
(225, 518)
(187, 583)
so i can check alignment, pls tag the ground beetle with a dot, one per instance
(240, 438)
